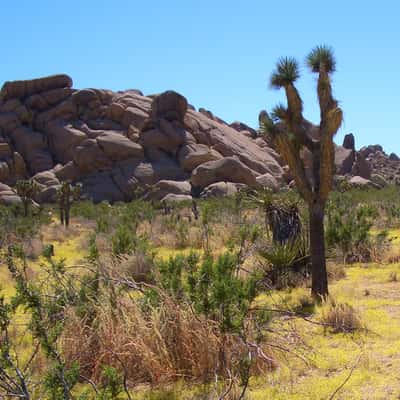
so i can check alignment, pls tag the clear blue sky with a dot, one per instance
(219, 53)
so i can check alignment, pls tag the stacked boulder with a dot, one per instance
(370, 166)
(117, 142)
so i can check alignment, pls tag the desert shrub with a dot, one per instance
(179, 225)
(17, 228)
(123, 240)
(212, 286)
(340, 317)
(348, 228)
(286, 264)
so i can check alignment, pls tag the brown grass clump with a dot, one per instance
(336, 271)
(156, 346)
(393, 277)
(340, 317)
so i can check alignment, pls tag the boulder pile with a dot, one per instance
(370, 166)
(117, 144)
(114, 143)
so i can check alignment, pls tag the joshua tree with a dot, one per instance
(27, 190)
(66, 194)
(308, 149)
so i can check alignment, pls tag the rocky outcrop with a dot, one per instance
(344, 160)
(116, 142)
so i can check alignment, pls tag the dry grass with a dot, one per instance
(340, 317)
(393, 276)
(162, 345)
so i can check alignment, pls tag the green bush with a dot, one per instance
(212, 286)
(348, 227)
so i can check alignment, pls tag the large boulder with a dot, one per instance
(344, 160)
(5, 150)
(64, 138)
(21, 89)
(268, 181)
(361, 167)
(366, 151)
(169, 105)
(192, 155)
(68, 172)
(8, 196)
(165, 187)
(33, 148)
(100, 186)
(221, 189)
(118, 147)
(394, 157)
(349, 142)
(359, 182)
(168, 136)
(148, 173)
(228, 142)
(133, 116)
(46, 178)
(228, 169)
(89, 157)
(176, 198)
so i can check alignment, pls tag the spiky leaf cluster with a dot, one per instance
(287, 72)
(321, 56)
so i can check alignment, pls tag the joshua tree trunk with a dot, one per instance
(26, 206)
(61, 215)
(319, 284)
(67, 211)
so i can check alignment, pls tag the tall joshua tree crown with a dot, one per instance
(294, 137)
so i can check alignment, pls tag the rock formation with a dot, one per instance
(116, 142)
(370, 166)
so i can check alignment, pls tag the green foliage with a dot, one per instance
(93, 251)
(58, 382)
(123, 240)
(287, 72)
(286, 264)
(27, 190)
(112, 384)
(15, 227)
(321, 55)
(348, 226)
(212, 286)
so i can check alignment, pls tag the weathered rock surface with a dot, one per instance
(228, 169)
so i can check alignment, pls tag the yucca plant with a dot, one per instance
(282, 261)
(308, 149)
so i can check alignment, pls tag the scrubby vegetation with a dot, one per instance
(206, 300)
